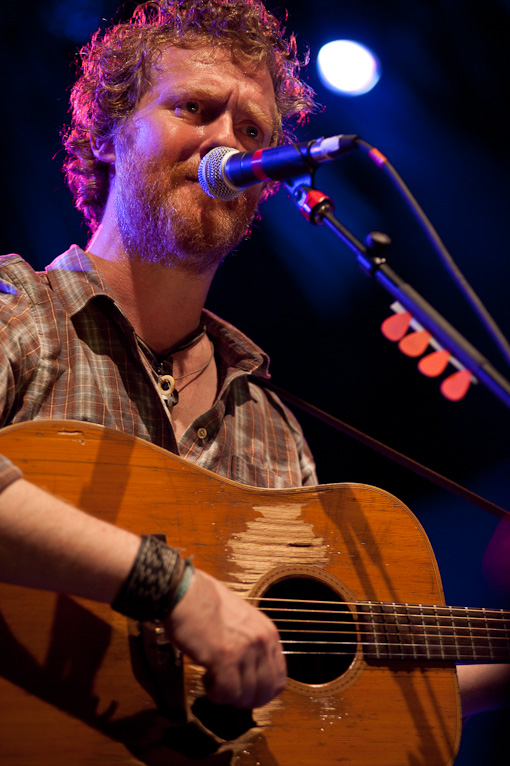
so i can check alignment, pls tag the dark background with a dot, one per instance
(438, 113)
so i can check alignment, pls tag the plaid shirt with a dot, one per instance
(67, 351)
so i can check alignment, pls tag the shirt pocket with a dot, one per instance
(255, 475)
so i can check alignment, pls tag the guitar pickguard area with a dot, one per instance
(275, 535)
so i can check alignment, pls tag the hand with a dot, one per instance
(238, 645)
(483, 688)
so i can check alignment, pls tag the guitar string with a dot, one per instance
(500, 614)
(441, 631)
(369, 638)
(427, 631)
(432, 651)
(387, 652)
(388, 624)
(412, 635)
(473, 649)
(412, 650)
(491, 650)
(394, 632)
(411, 657)
(424, 634)
(457, 649)
(278, 599)
(416, 630)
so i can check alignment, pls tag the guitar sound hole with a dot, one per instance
(319, 636)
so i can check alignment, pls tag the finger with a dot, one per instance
(250, 683)
(223, 687)
(271, 677)
(263, 675)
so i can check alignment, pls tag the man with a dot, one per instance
(155, 96)
(116, 334)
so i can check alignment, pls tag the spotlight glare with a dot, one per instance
(348, 67)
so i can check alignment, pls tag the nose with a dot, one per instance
(220, 132)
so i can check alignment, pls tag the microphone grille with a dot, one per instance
(211, 175)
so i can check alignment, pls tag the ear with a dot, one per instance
(103, 149)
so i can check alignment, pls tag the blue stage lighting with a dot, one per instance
(74, 19)
(348, 67)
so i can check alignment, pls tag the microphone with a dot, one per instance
(225, 173)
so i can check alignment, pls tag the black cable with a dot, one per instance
(492, 328)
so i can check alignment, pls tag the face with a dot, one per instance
(199, 99)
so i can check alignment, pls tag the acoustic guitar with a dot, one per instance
(345, 571)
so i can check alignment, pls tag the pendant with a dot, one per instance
(166, 385)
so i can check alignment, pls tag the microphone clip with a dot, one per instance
(312, 203)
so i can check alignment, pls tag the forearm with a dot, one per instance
(483, 687)
(46, 543)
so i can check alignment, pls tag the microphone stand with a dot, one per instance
(318, 208)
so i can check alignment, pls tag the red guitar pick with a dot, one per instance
(395, 327)
(435, 363)
(415, 343)
(455, 386)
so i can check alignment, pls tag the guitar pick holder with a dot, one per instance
(416, 342)
(318, 209)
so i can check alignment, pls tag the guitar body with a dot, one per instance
(73, 685)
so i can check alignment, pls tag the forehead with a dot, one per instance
(212, 69)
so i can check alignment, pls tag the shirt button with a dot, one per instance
(202, 433)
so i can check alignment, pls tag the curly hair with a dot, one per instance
(116, 69)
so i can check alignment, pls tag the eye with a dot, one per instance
(188, 107)
(253, 132)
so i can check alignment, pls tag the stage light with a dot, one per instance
(348, 67)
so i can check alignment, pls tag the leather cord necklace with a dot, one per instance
(166, 383)
(162, 365)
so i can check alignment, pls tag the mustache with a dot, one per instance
(161, 181)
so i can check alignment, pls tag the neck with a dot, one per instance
(434, 633)
(163, 304)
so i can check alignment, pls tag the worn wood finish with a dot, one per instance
(68, 694)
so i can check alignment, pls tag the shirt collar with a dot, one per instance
(235, 348)
(75, 281)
